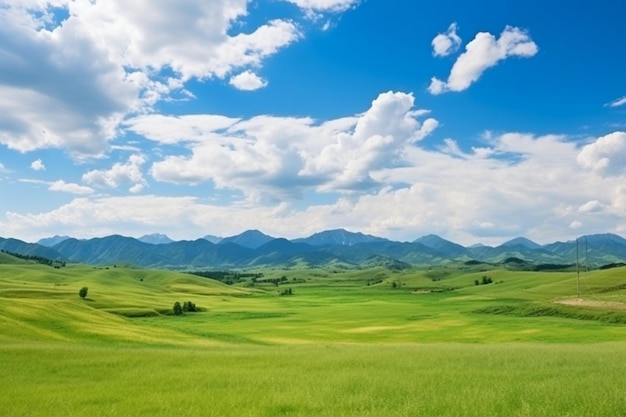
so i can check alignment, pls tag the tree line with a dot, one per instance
(35, 258)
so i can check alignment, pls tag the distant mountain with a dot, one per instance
(283, 251)
(155, 239)
(333, 247)
(338, 237)
(108, 250)
(249, 239)
(51, 241)
(521, 242)
(593, 250)
(30, 249)
(441, 245)
(212, 239)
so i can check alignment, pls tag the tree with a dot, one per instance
(178, 309)
(189, 306)
(83, 292)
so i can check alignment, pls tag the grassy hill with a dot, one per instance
(362, 342)
(5, 258)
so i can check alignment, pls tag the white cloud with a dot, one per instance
(247, 81)
(129, 172)
(483, 52)
(593, 206)
(174, 129)
(619, 102)
(447, 43)
(61, 186)
(70, 188)
(606, 155)
(38, 165)
(70, 84)
(324, 5)
(576, 225)
(284, 156)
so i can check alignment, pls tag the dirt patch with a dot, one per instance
(612, 305)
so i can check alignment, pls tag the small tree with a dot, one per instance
(83, 292)
(189, 306)
(178, 309)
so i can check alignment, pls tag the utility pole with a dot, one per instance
(586, 256)
(577, 272)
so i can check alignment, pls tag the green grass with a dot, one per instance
(317, 380)
(347, 343)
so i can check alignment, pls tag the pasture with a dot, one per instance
(372, 342)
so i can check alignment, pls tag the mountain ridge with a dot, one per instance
(254, 248)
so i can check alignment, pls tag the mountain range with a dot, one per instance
(254, 248)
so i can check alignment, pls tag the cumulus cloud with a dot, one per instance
(606, 155)
(483, 52)
(247, 81)
(618, 102)
(129, 172)
(38, 165)
(69, 84)
(447, 43)
(275, 155)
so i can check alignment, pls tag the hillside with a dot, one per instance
(125, 304)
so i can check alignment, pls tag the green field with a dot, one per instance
(348, 342)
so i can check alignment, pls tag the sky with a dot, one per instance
(477, 121)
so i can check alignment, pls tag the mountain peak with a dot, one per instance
(155, 239)
(521, 241)
(51, 241)
(249, 239)
(212, 238)
(440, 244)
(338, 237)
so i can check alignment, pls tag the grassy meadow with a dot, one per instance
(347, 342)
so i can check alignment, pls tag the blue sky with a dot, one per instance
(477, 121)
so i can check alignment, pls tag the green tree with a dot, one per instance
(189, 306)
(178, 309)
(83, 292)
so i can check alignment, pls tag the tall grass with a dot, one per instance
(319, 380)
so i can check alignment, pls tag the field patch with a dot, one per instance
(608, 305)
(560, 311)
